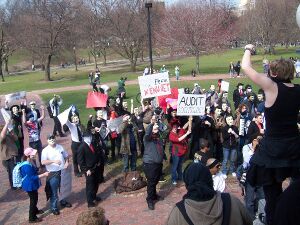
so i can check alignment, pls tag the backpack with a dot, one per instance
(131, 181)
(16, 175)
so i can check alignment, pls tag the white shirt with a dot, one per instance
(73, 130)
(219, 181)
(248, 152)
(297, 66)
(56, 153)
(105, 88)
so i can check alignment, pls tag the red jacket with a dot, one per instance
(179, 148)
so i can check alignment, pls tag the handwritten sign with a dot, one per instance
(154, 85)
(15, 96)
(191, 105)
(224, 86)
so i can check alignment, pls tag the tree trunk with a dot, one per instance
(198, 63)
(75, 59)
(1, 72)
(133, 65)
(142, 56)
(6, 65)
(104, 56)
(95, 60)
(47, 71)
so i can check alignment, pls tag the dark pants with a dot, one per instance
(115, 142)
(153, 173)
(57, 126)
(39, 147)
(141, 138)
(9, 165)
(92, 184)
(272, 193)
(20, 149)
(252, 196)
(240, 150)
(75, 148)
(33, 210)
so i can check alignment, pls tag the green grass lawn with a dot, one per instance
(209, 64)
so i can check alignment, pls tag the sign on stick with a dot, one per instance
(191, 105)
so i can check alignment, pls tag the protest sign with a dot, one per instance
(15, 96)
(114, 124)
(154, 85)
(172, 102)
(224, 86)
(5, 114)
(162, 99)
(66, 183)
(96, 99)
(191, 105)
(64, 116)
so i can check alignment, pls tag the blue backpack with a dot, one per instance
(16, 175)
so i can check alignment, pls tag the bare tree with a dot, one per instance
(127, 27)
(43, 25)
(192, 27)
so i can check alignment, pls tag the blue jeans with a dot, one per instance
(54, 184)
(132, 159)
(252, 196)
(228, 155)
(176, 167)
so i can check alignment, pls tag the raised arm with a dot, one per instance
(43, 113)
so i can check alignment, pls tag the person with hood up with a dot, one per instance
(202, 205)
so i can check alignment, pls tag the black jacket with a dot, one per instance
(253, 131)
(87, 159)
(230, 141)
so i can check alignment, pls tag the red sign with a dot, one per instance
(96, 99)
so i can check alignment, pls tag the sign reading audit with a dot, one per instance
(191, 105)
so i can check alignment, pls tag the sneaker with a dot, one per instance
(98, 199)
(66, 204)
(162, 180)
(233, 174)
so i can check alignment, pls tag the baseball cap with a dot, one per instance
(29, 151)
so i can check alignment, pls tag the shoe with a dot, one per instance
(151, 205)
(66, 205)
(36, 220)
(40, 211)
(78, 175)
(174, 183)
(91, 205)
(233, 174)
(159, 198)
(98, 199)
(55, 212)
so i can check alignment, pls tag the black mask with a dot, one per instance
(278, 80)
(244, 113)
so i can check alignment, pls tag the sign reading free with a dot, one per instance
(155, 85)
(191, 105)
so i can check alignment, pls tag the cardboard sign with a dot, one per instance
(15, 96)
(96, 99)
(172, 102)
(66, 183)
(154, 85)
(191, 105)
(114, 124)
(162, 99)
(224, 86)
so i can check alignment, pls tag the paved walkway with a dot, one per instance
(121, 209)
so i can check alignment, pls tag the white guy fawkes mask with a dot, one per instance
(218, 112)
(15, 110)
(125, 105)
(240, 87)
(225, 95)
(207, 109)
(99, 114)
(51, 142)
(75, 119)
(212, 87)
(229, 120)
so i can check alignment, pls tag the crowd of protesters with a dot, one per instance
(220, 143)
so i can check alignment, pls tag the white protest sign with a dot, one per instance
(66, 183)
(5, 114)
(191, 105)
(63, 117)
(114, 124)
(15, 96)
(154, 85)
(224, 86)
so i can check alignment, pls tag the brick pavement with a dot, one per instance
(121, 209)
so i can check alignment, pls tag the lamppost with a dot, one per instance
(148, 5)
